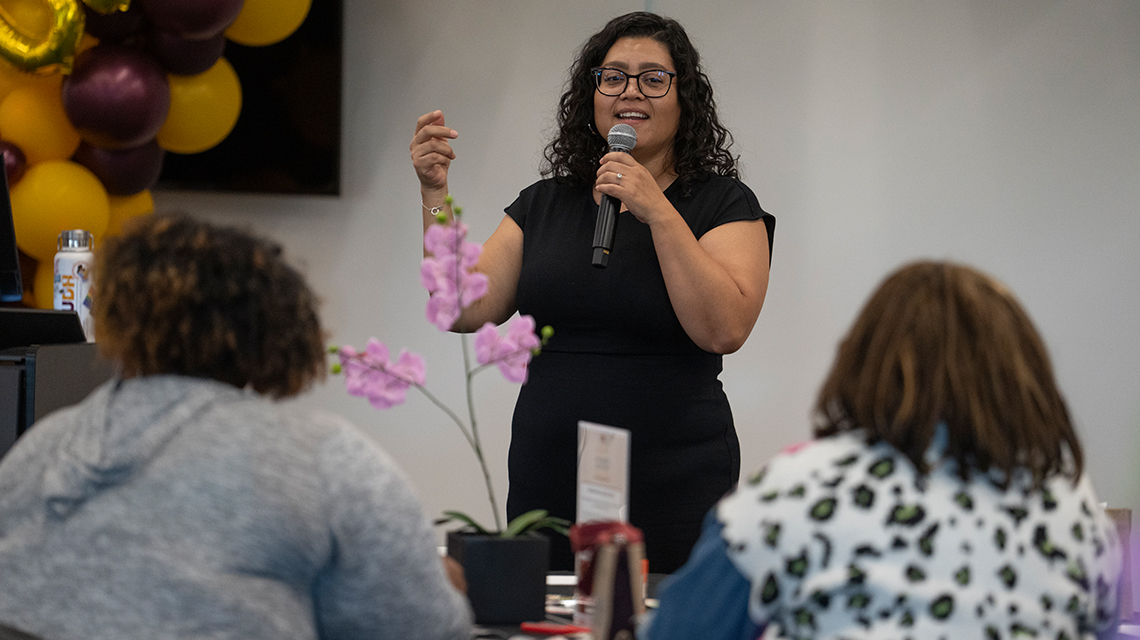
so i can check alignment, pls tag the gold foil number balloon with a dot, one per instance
(27, 46)
(108, 6)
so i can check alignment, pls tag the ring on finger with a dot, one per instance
(619, 178)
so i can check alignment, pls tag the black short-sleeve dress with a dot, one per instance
(620, 357)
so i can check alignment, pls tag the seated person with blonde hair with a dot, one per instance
(176, 501)
(943, 496)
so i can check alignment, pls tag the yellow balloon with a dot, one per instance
(54, 196)
(31, 39)
(43, 287)
(11, 78)
(263, 22)
(32, 118)
(124, 208)
(203, 109)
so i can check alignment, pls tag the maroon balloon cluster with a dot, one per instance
(117, 95)
(15, 163)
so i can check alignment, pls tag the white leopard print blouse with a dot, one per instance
(838, 539)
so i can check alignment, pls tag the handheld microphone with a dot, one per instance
(622, 138)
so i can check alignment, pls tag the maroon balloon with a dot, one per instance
(116, 96)
(123, 171)
(185, 57)
(192, 19)
(113, 27)
(15, 162)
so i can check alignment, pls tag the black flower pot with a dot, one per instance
(506, 577)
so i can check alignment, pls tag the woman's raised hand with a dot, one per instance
(431, 151)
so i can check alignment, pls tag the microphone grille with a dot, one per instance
(622, 137)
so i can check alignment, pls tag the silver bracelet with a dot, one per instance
(432, 210)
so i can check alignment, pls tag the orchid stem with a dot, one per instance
(451, 414)
(475, 443)
(472, 434)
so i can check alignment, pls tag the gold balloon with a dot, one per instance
(26, 47)
(264, 22)
(53, 196)
(11, 78)
(125, 208)
(203, 109)
(32, 118)
(108, 6)
(32, 18)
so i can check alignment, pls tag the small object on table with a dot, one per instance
(551, 628)
(610, 558)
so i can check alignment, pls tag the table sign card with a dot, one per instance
(603, 472)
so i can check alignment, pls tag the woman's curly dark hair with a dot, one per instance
(702, 144)
(176, 295)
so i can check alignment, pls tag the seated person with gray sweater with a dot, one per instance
(177, 501)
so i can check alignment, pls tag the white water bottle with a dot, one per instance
(75, 276)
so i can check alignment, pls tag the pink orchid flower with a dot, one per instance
(447, 275)
(370, 375)
(449, 293)
(512, 352)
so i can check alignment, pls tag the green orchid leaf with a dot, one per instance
(535, 521)
(559, 525)
(452, 516)
(523, 523)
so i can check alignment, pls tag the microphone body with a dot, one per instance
(604, 230)
(622, 138)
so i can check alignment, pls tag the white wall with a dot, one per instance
(1005, 135)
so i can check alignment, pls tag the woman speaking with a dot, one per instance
(638, 344)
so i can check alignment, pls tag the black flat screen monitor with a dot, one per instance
(287, 139)
(11, 285)
(25, 327)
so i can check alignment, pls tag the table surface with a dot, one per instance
(563, 583)
(560, 583)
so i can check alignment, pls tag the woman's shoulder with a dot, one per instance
(247, 419)
(546, 195)
(712, 200)
(801, 461)
(549, 188)
(712, 185)
(322, 447)
(317, 430)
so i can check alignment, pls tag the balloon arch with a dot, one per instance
(93, 95)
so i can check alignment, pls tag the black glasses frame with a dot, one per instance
(597, 71)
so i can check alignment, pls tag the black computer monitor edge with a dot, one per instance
(11, 282)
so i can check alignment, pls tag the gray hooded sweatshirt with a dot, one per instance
(174, 507)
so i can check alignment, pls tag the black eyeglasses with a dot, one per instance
(654, 83)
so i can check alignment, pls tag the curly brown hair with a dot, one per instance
(180, 296)
(701, 147)
(942, 343)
